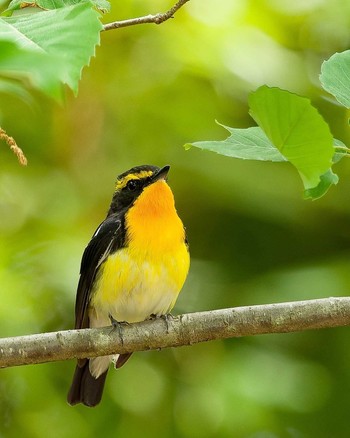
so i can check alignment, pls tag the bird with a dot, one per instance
(133, 268)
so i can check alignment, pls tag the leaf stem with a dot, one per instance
(342, 149)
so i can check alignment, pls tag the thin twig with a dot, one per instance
(186, 329)
(14, 147)
(156, 19)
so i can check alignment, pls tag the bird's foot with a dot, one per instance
(118, 325)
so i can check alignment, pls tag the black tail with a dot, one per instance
(122, 359)
(85, 388)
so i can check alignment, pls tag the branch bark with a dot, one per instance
(177, 331)
(156, 19)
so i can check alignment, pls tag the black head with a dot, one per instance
(130, 184)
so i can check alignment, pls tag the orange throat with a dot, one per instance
(152, 222)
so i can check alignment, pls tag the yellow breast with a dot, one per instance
(147, 275)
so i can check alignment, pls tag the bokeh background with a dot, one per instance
(253, 239)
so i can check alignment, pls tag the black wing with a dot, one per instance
(107, 238)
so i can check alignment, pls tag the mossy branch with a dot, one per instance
(177, 331)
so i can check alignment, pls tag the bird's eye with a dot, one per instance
(132, 185)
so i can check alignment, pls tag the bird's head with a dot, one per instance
(132, 183)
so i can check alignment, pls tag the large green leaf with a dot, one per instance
(335, 77)
(253, 144)
(101, 5)
(247, 144)
(65, 38)
(34, 68)
(295, 127)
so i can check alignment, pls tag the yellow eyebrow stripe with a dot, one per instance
(120, 184)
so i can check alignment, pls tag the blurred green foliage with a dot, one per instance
(253, 239)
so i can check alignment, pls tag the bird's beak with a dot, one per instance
(161, 174)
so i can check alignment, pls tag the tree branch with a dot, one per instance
(185, 329)
(156, 19)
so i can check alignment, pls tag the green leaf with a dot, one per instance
(101, 5)
(247, 144)
(335, 77)
(16, 5)
(65, 37)
(295, 132)
(326, 180)
(295, 127)
(32, 68)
